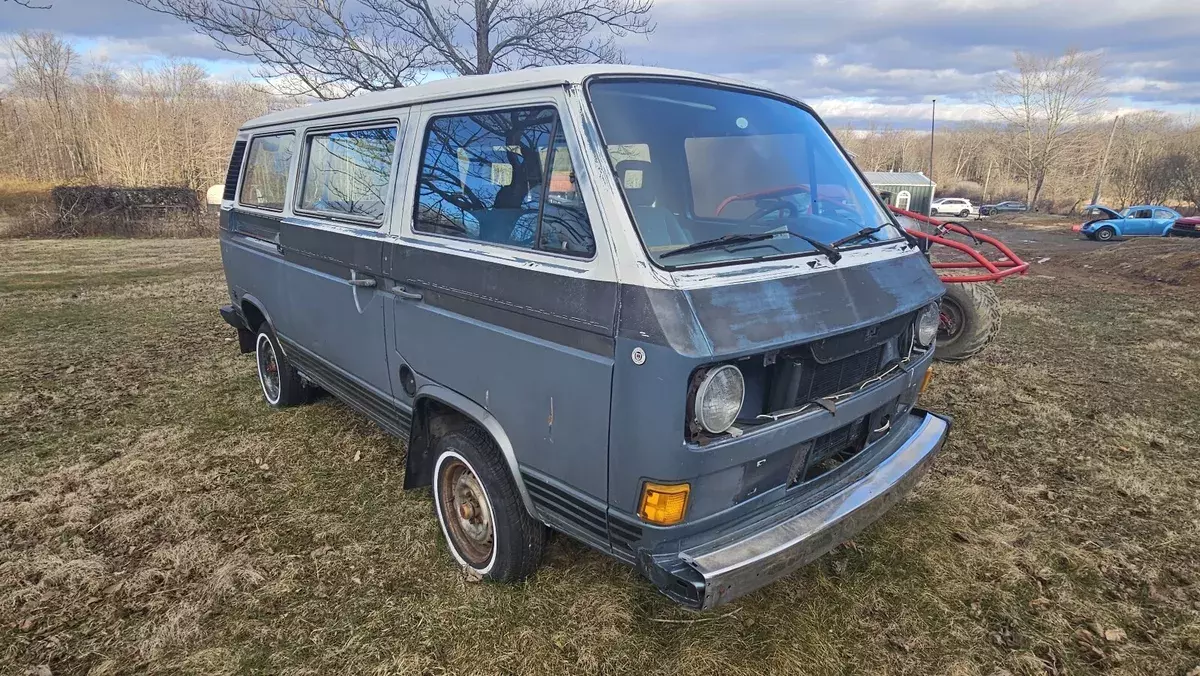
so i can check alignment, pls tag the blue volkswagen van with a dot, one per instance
(659, 312)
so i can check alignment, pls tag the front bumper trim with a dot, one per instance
(750, 563)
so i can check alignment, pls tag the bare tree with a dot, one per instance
(334, 48)
(1047, 103)
(43, 66)
(29, 4)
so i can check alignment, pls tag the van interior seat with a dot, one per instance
(658, 226)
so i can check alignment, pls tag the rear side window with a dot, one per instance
(266, 174)
(502, 177)
(347, 173)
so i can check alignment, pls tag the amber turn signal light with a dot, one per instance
(664, 504)
(925, 381)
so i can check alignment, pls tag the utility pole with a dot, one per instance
(987, 179)
(1104, 161)
(932, 127)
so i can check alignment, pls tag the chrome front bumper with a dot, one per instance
(767, 554)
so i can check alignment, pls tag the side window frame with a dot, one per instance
(246, 173)
(390, 201)
(418, 161)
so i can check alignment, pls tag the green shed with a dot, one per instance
(910, 190)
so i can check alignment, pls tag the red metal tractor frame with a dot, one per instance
(970, 312)
(1009, 263)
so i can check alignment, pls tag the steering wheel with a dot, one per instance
(830, 208)
(769, 206)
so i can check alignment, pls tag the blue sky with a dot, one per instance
(857, 60)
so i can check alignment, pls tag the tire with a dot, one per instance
(964, 213)
(970, 320)
(282, 386)
(1105, 234)
(487, 528)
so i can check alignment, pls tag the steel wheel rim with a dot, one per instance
(466, 512)
(268, 368)
(950, 320)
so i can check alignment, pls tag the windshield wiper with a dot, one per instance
(830, 252)
(744, 238)
(718, 242)
(867, 232)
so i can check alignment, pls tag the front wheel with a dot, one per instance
(487, 528)
(1106, 234)
(970, 319)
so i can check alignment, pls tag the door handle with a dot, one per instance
(401, 292)
(362, 282)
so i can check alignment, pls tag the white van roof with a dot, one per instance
(469, 85)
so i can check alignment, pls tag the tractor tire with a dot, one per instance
(970, 320)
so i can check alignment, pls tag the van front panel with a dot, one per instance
(680, 331)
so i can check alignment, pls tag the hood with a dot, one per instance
(1102, 213)
(739, 319)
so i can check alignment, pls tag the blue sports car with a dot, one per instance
(1140, 221)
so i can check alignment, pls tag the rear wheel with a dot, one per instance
(485, 523)
(964, 213)
(970, 319)
(1106, 234)
(281, 384)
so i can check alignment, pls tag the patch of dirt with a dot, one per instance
(1169, 260)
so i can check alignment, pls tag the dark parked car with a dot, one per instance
(1185, 227)
(1002, 207)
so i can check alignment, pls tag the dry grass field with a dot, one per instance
(156, 517)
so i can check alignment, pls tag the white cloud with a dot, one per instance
(861, 59)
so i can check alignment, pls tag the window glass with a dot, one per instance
(728, 162)
(348, 172)
(267, 172)
(565, 226)
(723, 168)
(1140, 213)
(1163, 213)
(497, 177)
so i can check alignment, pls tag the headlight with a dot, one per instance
(719, 398)
(927, 324)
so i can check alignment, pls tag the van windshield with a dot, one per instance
(701, 163)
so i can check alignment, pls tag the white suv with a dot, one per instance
(953, 206)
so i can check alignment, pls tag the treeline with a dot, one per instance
(63, 121)
(1153, 158)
